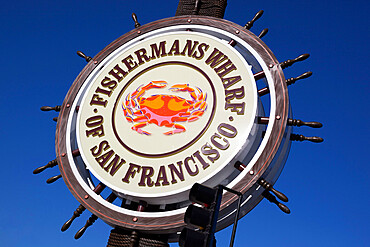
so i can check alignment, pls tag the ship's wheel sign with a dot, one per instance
(169, 104)
(170, 110)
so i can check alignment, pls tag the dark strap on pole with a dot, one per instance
(119, 238)
(123, 238)
(214, 8)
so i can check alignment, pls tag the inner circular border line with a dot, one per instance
(201, 133)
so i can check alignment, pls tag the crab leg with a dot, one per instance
(192, 119)
(202, 96)
(178, 129)
(140, 119)
(182, 119)
(185, 87)
(142, 89)
(127, 106)
(137, 128)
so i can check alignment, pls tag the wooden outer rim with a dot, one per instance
(174, 223)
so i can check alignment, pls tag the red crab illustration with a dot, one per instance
(162, 109)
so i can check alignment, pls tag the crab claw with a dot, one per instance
(181, 87)
(142, 89)
(184, 87)
(155, 84)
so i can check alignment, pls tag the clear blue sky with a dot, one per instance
(328, 183)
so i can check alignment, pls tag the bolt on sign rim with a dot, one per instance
(262, 148)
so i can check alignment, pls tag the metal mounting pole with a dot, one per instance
(240, 195)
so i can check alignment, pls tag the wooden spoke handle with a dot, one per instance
(81, 54)
(299, 123)
(272, 199)
(316, 139)
(269, 187)
(250, 23)
(53, 179)
(98, 189)
(48, 165)
(263, 33)
(134, 17)
(49, 108)
(290, 62)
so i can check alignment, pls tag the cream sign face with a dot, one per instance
(160, 114)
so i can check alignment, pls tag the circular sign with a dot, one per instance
(166, 105)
